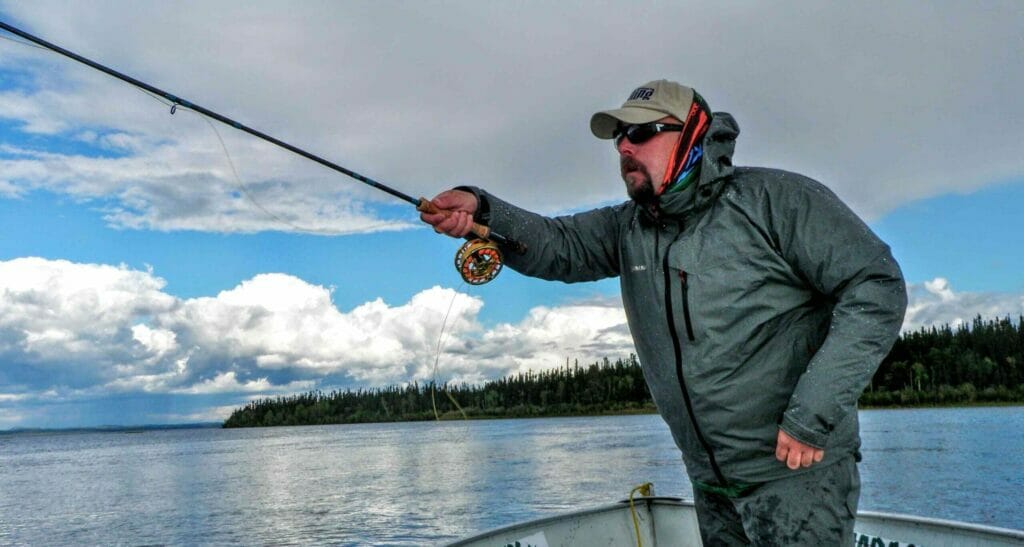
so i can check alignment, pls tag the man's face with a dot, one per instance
(643, 165)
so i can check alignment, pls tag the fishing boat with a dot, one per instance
(672, 522)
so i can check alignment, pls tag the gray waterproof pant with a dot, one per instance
(816, 507)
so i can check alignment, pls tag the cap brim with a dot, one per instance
(603, 124)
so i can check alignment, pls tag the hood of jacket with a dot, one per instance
(719, 144)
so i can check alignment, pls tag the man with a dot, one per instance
(760, 307)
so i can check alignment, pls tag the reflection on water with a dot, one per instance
(418, 483)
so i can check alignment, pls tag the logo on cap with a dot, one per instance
(641, 94)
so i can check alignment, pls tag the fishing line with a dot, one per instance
(252, 198)
(437, 357)
(239, 185)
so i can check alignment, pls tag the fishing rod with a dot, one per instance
(478, 261)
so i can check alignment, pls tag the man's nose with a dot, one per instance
(626, 148)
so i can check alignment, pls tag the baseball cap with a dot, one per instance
(650, 102)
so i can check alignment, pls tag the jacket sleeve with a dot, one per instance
(580, 247)
(836, 253)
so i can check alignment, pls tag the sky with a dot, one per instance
(156, 267)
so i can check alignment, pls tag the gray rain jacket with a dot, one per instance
(756, 300)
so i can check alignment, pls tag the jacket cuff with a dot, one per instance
(803, 434)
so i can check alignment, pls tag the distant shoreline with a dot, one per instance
(445, 418)
(109, 428)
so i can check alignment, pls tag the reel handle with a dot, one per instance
(479, 230)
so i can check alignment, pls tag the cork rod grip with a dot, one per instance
(427, 206)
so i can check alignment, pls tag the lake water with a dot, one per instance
(421, 483)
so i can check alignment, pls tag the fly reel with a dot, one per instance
(478, 261)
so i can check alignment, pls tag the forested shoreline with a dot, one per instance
(970, 364)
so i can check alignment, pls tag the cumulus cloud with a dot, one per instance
(545, 339)
(277, 321)
(71, 330)
(73, 322)
(429, 96)
(936, 303)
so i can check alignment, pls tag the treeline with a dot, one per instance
(600, 388)
(978, 363)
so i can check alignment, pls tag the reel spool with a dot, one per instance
(478, 261)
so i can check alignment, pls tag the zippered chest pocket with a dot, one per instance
(717, 294)
(726, 300)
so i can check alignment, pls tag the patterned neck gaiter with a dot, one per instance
(684, 169)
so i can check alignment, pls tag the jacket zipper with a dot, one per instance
(677, 346)
(686, 305)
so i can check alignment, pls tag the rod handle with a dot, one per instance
(479, 230)
(427, 206)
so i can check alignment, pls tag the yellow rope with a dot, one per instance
(645, 490)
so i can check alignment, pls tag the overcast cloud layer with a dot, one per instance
(886, 103)
(71, 331)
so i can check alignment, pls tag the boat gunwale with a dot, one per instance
(1006, 533)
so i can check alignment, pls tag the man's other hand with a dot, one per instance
(795, 453)
(455, 213)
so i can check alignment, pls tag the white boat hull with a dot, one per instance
(671, 522)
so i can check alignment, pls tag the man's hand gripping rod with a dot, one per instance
(479, 230)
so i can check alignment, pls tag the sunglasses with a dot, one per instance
(638, 133)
